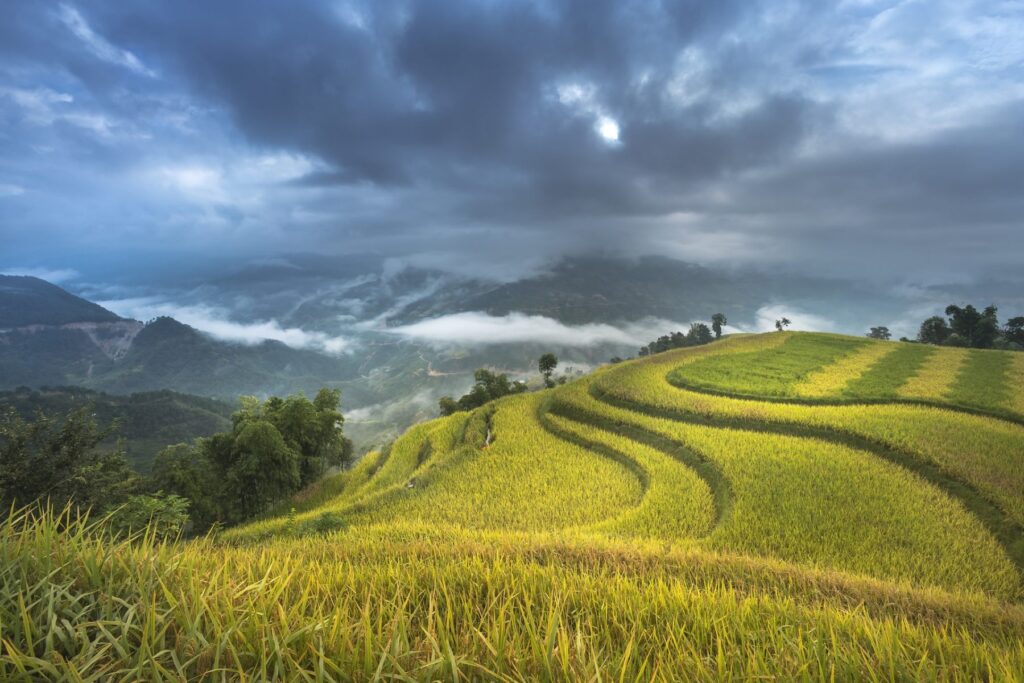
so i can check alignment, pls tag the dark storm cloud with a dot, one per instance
(419, 92)
(447, 131)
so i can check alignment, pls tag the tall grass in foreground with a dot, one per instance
(423, 603)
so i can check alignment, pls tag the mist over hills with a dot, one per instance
(393, 338)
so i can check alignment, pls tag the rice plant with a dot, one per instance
(623, 526)
(833, 379)
(936, 376)
(430, 603)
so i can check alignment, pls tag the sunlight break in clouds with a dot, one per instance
(476, 328)
(215, 323)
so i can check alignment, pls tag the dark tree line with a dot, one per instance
(969, 327)
(698, 334)
(274, 448)
(487, 387)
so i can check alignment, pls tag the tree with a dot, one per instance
(186, 471)
(717, 322)
(986, 330)
(264, 468)
(781, 324)
(274, 448)
(1014, 330)
(448, 405)
(163, 515)
(963, 320)
(488, 386)
(955, 339)
(978, 329)
(547, 364)
(312, 429)
(698, 334)
(934, 330)
(61, 459)
(880, 332)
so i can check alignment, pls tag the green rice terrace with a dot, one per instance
(783, 506)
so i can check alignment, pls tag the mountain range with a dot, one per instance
(393, 339)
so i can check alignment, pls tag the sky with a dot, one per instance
(863, 138)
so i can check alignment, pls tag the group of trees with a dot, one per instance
(967, 326)
(698, 334)
(274, 448)
(60, 460)
(487, 387)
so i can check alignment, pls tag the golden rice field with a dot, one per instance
(785, 506)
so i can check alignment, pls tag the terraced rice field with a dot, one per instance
(780, 506)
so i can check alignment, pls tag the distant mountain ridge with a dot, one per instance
(26, 300)
(50, 337)
(389, 379)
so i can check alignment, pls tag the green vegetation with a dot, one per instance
(980, 452)
(771, 372)
(433, 603)
(146, 422)
(273, 449)
(488, 386)
(983, 381)
(698, 334)
(766, 506)
(60, 459)
(818, 502)
(967, 326)
(833, 379)
(889, 373)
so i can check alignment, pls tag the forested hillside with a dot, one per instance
(147, 422)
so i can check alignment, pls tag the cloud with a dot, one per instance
(11, 190)
(475, 328)
(97, 44)
(799, 320)
(488, 136)
(393, 411)
(215, 322)
(55, 275)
